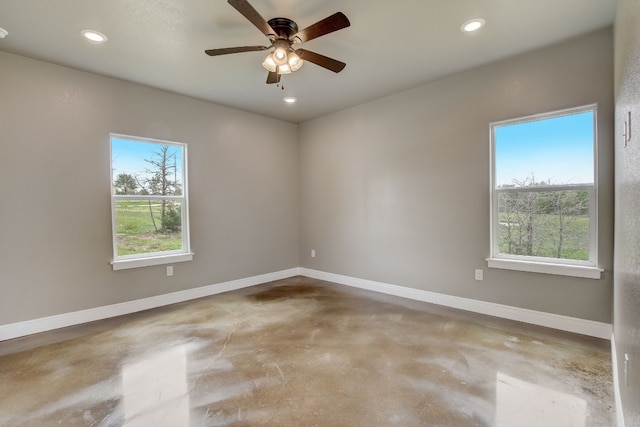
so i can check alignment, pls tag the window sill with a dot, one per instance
(147, 262)
(546, 268)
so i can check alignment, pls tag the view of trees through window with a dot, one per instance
(552, 224)
(544, 186)
(147, 195)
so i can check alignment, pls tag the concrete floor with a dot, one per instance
(300, 352)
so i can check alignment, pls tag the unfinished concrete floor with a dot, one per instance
(300, 352)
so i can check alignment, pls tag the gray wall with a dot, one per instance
(55, 221)
(397, 190)
(627, 220)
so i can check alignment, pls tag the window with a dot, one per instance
(148, 202)
(544, 193)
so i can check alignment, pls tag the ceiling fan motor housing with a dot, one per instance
(283, 27)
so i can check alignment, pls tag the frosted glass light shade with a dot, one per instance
(294, 61)
(284, 69)
(280, 56)
(269, 64)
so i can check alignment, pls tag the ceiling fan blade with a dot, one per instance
(273, 78)
(321, 60)
(335, 22)
(253, 16)
(228, 50)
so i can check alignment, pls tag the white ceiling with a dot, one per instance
(390, 46)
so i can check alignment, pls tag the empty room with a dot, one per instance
(320, 213)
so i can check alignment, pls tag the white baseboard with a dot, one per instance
(549, 320)
(616, 383)
(555, 321)
(28, 327)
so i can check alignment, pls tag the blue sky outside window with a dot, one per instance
(557, 150)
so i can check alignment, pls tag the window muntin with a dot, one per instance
(149, 201)
(544, 189)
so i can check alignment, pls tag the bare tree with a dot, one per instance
(567, 206)
(524, 207)
(538, 222)
(162, 181)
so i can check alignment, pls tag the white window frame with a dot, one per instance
(121, 262)
(560, 266)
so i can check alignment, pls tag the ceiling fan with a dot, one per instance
(283, 33)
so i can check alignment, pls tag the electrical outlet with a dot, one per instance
(479, 274)
(313, 253)
(169, 270)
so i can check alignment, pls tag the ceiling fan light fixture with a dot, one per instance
(294, 61)
(280, 55)
(280, 52)
(284, 69)
(269, 64)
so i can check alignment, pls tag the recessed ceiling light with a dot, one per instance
(290, 99)
(3, 33)
(93, 35)
(472, 25)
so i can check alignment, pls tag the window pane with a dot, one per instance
(146, 168)
(144, 226)
(550, 224)
(549, 151)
